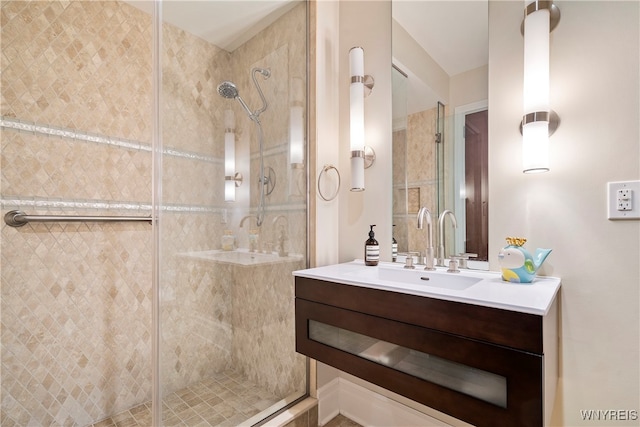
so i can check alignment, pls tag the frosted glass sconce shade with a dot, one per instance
(231, 178)
(356, 119)
(296, 124)
(540, 18)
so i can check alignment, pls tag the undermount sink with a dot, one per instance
(242, 257)
(419, 277)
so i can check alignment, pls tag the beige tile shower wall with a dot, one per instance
(400, 217)
(264, 327)
(421, 172)
(79, 65)
(75, 297)
(87, 66)
(199, 314)
(196, 323)
(281, 47)
(61, 168)
(195, 301)
(263, 297)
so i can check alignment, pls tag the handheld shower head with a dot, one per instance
(228, 90)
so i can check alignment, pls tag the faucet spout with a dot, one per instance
(441, 247)
(248, 217)
(429, 252)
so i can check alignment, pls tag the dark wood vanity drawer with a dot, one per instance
(523, 371)
(521, 331)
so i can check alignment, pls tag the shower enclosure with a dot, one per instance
(109, 112)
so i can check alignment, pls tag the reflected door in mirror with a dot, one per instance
(476, 184)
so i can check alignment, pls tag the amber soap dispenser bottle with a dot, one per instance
(371, 249)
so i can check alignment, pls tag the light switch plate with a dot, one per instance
(623, 200)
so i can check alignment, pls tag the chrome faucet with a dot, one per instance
(428, 254)
(249, 218)
(252, 234)
(282, 237)
(441, 251)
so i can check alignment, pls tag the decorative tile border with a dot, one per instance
(40, 203)
(58, 204)
(48, 130)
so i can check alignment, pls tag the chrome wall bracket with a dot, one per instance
(542, 116)
(237, 178)
(554, 13)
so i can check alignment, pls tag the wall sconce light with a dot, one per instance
(296, 124)
(232, 179)
(362, 157)
(297, 182)
(538, 121)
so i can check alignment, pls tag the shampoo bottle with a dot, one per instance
(371, 249)
(394, 246)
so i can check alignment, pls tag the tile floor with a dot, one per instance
(227, 399)
(341, 421)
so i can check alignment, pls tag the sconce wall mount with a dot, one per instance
(237, 179)
(554, 13)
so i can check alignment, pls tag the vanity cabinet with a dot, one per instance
(486, 366)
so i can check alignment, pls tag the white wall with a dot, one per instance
(366, 24)
(468, 87)
(595, 90)
(413, 56)
(328, 58)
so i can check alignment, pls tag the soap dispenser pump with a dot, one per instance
(394, 245)
(371, 249)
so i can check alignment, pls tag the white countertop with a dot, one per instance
(490, 291)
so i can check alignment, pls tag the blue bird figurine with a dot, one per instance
(517, 264)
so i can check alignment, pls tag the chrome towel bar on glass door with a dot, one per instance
(19, 218)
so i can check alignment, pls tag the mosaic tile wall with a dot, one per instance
(188, 352)
(75, 298)
(418, 156)
(75, 307)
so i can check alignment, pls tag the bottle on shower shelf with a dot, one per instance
(228, 241)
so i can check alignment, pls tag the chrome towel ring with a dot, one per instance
(325, 170)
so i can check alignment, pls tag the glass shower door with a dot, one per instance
(233, 210)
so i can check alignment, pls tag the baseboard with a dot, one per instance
(367, 408)
(329, 401)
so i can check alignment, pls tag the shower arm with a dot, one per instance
(266, 73)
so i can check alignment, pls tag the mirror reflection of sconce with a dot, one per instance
(297, 182)
(538, 121)
(361, 86)
(296, 124)
(232, 179)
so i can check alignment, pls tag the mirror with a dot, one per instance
(440, 94)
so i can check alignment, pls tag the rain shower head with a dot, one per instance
(228, 90)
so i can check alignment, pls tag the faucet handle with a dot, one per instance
(408, 263)
(453, 264)
(464, 257)
(409, 258)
